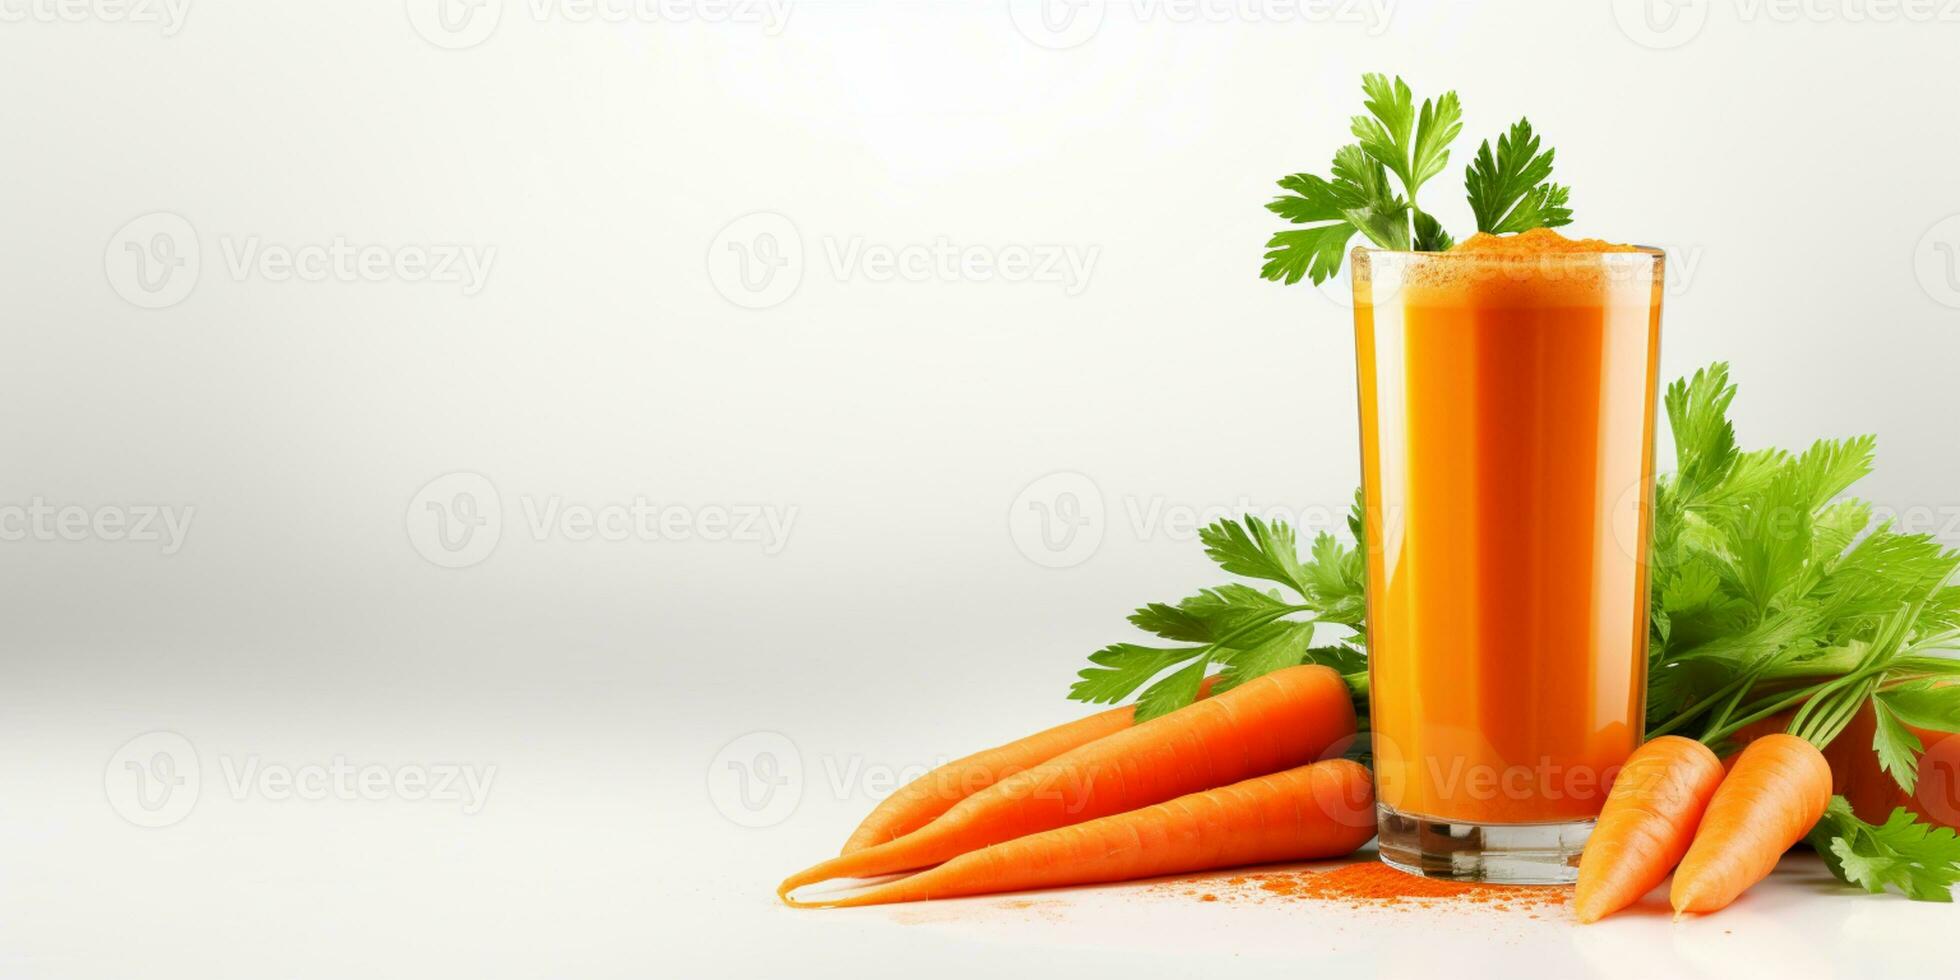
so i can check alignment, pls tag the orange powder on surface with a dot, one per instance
(1372, 884)
(1537, 241)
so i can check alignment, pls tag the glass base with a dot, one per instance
(1505, 854)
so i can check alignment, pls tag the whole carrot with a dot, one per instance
(1648, 822)
(922, 800)
(1775, 792)
(1277, 721)
(1321, 810)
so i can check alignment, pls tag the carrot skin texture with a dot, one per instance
(1281, 720)
(1647, 824)
(922, 800)
(1322, 810)
(1774, 793)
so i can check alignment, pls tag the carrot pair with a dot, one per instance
(1092, 812)
(922, 800)
(1324, 809)
(1672, 805)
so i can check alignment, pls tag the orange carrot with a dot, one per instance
(1322, 810)
(1774, 793)
(1647, 824)
(1278, 721)
(922, 800)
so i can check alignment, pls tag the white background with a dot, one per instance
(902, 429)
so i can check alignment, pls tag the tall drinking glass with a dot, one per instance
(1507, 429)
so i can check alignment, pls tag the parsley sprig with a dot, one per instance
(1245, 630)
(1921, 861)
(1510, 190)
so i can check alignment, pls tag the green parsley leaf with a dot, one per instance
(1511, 191)
(1830, 466)
(1124, 667)
(1430, 236)
(1314, 253)
(1704, 439)
(1437, 127)
(1395, 137)
(1357, 199)
(1386, 133)
(1919, 860)
(1385, 136)
(1257, 549)
(1337, 581)
(1286, 648)
(1928, 704)
(1209, 615)
(1341, 659)
(1367, 202)
(1690, 588)
(1173, 692)
(1898, 749)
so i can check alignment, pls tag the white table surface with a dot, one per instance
(602, 851)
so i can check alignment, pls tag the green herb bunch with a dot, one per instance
(1510, 188)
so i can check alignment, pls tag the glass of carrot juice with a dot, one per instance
(1507, 394)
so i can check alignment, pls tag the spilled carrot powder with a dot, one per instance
(1372, 884)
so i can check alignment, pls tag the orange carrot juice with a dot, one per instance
(1507, 424)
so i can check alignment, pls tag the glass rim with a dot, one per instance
(1633, 252)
